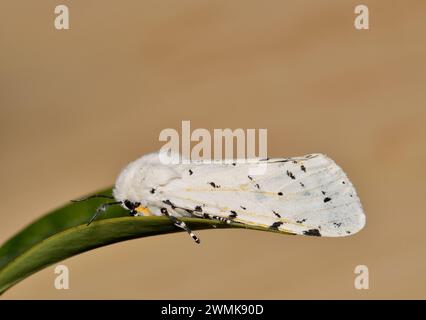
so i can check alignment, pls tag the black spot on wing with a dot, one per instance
(312, 232)
(276, 214)
(291, 175)
(280, 193)
(302, 184)
(190, 172)
(327, 199)
(244, 208)
(198, 209)
(301, 221)
(214, 185)
(152, 190)
(257, 186)
(233, 214)
(303, 168)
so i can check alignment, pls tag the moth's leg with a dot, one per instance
(217, 218)
(180, 224)
(136, 213)
(198, 212)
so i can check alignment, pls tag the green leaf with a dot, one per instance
(64, 233)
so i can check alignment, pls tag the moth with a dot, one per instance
(308, 195)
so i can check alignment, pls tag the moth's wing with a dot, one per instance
(308, 195)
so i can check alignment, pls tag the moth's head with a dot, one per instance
(139, 177)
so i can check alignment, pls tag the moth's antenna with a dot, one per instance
(102, 209)
(93, 196)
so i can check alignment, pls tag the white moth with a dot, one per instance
(309, 195)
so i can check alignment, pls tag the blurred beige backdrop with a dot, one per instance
(78, 105)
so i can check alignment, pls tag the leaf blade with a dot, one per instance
(64, 233)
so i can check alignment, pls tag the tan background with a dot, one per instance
(77, 105)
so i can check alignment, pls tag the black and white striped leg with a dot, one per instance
(213, 217)
(180, 224)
